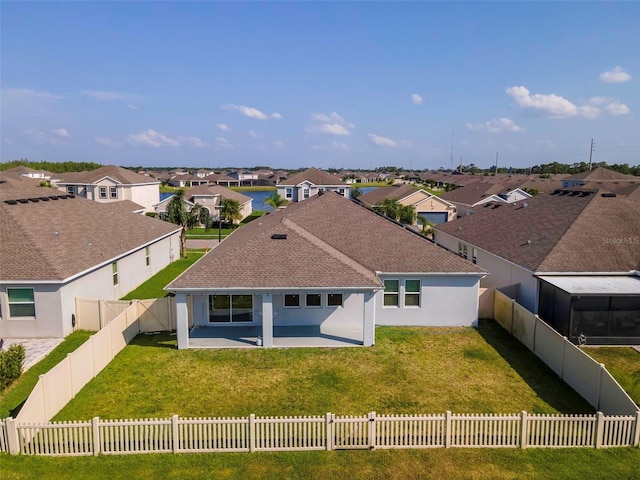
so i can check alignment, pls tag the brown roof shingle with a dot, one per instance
(119, 174)
(315, 176)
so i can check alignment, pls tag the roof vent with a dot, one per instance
(44, 199)
(10, 202)
(54, 197)
(34, 200)
(279, 236)
(609, 195)
(22, 200)
(525, 205)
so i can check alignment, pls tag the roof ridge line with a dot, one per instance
(327, 248)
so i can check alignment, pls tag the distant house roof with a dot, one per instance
(50, 236)
(379, 194)
(315, 176)
(568, 231)
(473, 193)
(326, 241)
(601, 173)
(216, 190)
(119, 174)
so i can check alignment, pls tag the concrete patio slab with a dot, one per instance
(35, 348)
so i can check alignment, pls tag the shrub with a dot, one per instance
(11, 361)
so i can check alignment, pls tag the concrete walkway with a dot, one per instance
(201, 244)
(35, 348)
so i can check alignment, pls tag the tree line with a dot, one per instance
(53, 167)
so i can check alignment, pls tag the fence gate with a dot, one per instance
(350, 433)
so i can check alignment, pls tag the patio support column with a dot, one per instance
(182, 321)
(267, 320)
(369, 319)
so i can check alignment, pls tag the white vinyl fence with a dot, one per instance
(328, 432)
(586, 376)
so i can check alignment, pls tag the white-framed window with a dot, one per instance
(113, 192)
(411, 293)
(291, 300)
(114, 271)
(71, 190)
(21, 302)
(313, 300)
(341, 191)
(474, 255)
(288, 193)
(391, 293)
(320, 190)
(334, 300)
(305, 193)
(103, 192)
(460, 248)
(147, 256)
(465, 251)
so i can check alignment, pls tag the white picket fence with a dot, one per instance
(328, 432)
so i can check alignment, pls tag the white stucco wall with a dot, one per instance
(445, 300)
(298, 191)
(501, 272)
(146, 195)
(55, 303)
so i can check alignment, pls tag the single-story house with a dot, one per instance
(327, 265)
(55, 247)
(112, 184)
(210, 197)
(432, 208)
(309, 183)
(469, 198)
(560, 245)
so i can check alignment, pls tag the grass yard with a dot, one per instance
(212, 233)
(435, 464)
(14, 396)
(623, 363)
(410, 370)
(153, 288)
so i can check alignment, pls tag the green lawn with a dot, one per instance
(153, 288)
(436, 464)
(13, 397)
(623, 363)
(410, 370)
(212, 233)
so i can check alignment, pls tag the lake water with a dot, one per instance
(259, 197)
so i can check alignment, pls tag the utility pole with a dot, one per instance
(452, 150)
(591, 153)
(496, 163)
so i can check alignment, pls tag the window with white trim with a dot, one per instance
(460, 248)
(412, 293)
(313, 300)
(71, 190)
(113, 192)
(334, 300)
(103, 192)
(291, 300)
(391, 293)
(341, 191)
(21, 302)
(147, 256)
(114, 270)
(288, 193)
(474, 255)
(305, 193)
(465, 251)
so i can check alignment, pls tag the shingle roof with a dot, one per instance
(330, 242)
(58, 238)
(564, 232)
(473, 193)
(119, 174)
(601, 173)
(379, 194)
(315, 176)
(216, 190)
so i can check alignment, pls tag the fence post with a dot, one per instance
(372, 430)
(96, 436)
(252, 432)
(524, 430)
(599, 433)
(329, 428)
(447, 429)
(175, 433)
(45, 411)
(636, 441)
(12, 436)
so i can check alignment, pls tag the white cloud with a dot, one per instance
(416, 98)
(276, 115)
(107, 96)
(61, 132)
(617, 75)
(278, 143)
(28, 94)
(588, 111)
(156, 139)
(223, 127)
(496, 126)
(251, 112)
(549, 105)
(105, 141)
(617, 109)
(340, 146)
(253, 134)
(38, 136)
(330, 124)
(599, 100)
(222, 142)
(382, 141)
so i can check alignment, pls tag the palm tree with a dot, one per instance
(426, 226)
(389, 207)
(275, 201)
(407, 214)
(230, 211)
(178, 213)
(355, 192)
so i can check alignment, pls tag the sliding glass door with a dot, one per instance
(230, 308)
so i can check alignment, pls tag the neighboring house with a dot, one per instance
(210, 197)
(31, 173)
(569, 238)
(428, 206)
(468, 198)
(55, 247)
(604, 176)
(187, 180)
(309, 183)
(112, 184)
(244, 177)
(330, 264)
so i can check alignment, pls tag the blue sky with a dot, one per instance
(327, 84)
